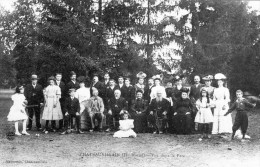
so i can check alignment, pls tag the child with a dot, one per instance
(52, 109)
(72, 110)
(17, 111)
(241, 119)
(125, 127)
(204, 115)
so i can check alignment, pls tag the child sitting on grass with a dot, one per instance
(125, 127)
(241, 119)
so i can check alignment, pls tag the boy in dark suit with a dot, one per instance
(128, 93)
(241, 119)
(72, 110)
(34, 95)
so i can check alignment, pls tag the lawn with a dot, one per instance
(101, 149)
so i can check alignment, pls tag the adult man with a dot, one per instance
(148, 89)
(194, 96)
(115, 107)
(138, 112)
(158, 110)
(98, 85)
(106, 80)
(34, 95)
(120, 82)
(195, 89)
(128, 92)
(96, 109)
(110, 92)
(73, 84)
(62, 86)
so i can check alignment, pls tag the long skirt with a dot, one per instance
(50, 112)
(221, 123)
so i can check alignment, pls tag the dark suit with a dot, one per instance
(62, 100)
(147, 92)
(115, 105)
(140, 121)
(100, 87)
(109, 95)
(72, 107)
(195, 92)
(128, 93)
(34, 96)
(158, 108)
(71, 85)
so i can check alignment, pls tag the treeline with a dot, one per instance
(46, 36)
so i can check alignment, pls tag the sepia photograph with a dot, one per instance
(130, 83)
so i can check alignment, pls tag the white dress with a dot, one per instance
(125, 129)
(17, 111)
(52, 94)
(204, 114)
(221, 123)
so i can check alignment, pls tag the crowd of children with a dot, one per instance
(144, 108)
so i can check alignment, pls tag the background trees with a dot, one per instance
(123, 37)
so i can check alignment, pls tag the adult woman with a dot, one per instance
(52, 108)
(140, 85)
(221, 98)
(182, 113)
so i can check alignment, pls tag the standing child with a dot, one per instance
(125, 127)
(52, 109)
(241, 119)
(204, 115)
(17, 111)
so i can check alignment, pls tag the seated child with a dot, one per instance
(125, 127)
(241, 119)
(72, 110)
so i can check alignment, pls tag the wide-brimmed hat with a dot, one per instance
(141, 74)
(208, 78)
(34, 77)
(220, 76)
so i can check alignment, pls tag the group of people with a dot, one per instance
(142, 107)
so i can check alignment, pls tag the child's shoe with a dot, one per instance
(25, 133)
(18, 134)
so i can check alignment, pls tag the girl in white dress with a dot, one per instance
(52, 109)
(204, 115)
(125, 127)
(17, 111)
(221, 98)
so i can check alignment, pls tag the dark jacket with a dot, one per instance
(116, 105)
(159, 107)
(34, 96)
(62, 88)
(109, 94)
(183, 106)
(147, 92)
(139, 105)
(195, 92)
(128, 93)
(240, 106)
(71, 106)
(100, 87)
(71, 85)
